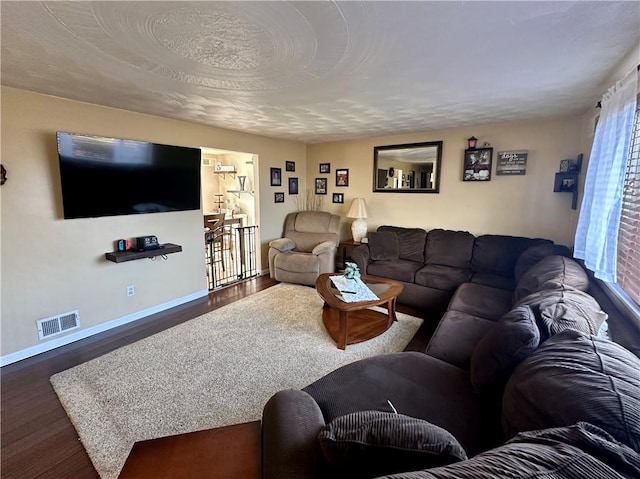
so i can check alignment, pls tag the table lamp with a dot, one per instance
(358, 210)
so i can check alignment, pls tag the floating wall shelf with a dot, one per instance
(130, 255)
(239, 192)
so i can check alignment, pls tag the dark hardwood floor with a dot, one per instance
(38, 439)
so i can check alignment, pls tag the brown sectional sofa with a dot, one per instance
(515, 376)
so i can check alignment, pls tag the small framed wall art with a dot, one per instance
(290, 166)
(325, 167)
(278, 197)
(477, 164)
(293, 186)
(276, 176)
(338, 197)
(342, 177)
(321, 186)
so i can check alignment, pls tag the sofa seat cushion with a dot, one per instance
(550, 273)
(456, 337)
(575, 377)
(297, 262)
(579, 451)
(482, 301)
(497, 254)
(564, 308)
(398, 269)
(494, 280)
(411, 242)
(371, 443)
(531, 256)
(514, 337)
(417, 385)
(384, 246)
(449, 248)
(446, 278)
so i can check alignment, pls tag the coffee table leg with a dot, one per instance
(342, 332)
(391, 310)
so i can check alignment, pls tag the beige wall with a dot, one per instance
(51, 266)
(514, 205)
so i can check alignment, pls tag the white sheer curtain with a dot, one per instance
(597, 232)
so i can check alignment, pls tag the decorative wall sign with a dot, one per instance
(477, 164)
(512, 163)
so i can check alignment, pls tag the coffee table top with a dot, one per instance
(385, 289)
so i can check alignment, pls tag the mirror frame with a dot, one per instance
(438, 165)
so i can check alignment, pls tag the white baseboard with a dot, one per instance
(85, 333)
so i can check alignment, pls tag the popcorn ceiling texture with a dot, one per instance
(215, 370)
(321, 71)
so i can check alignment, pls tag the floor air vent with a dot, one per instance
(58, 324)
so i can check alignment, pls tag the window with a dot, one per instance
(628, 259)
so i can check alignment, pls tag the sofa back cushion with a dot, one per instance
(549, 273)
(564, 308)
(449, 248)
(514, 337)
(384, 246)
(575, 377)
(410, 240)
(578, 451)
(498, 254)
(532, 255)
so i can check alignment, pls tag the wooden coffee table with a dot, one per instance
(350, 323)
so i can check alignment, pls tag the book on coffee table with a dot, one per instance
(352, 290)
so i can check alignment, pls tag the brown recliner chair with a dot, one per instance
(307, 249)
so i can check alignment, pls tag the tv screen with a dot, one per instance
(110, 176)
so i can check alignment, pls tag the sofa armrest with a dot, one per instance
(291, 421)
(282, 244)
(362, 256)
(324, 247)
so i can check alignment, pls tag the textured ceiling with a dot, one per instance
(321, 71)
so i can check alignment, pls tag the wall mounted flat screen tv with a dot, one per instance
(110, 176)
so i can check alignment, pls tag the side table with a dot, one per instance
(347, 246)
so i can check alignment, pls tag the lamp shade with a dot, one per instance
(358, 209)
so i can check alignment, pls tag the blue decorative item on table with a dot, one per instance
(351, 270)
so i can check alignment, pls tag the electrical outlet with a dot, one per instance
(131, 290)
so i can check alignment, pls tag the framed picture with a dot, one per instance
(325, 167)
(293, 186)
(278, 197)
(290, 166)
(342, 177)
(338, 197)
(276, 176)
(477, 164)
(321, 186)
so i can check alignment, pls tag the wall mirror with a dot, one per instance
(410, 168)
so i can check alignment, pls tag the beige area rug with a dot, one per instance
(215, 370)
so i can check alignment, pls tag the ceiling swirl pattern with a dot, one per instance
(317, 70)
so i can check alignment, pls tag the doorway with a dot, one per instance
(229, 196)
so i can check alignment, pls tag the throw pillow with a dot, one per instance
(514, 337)
(384, 245)
(551, 272)
(372, 443)
(564, 308)
(531, 256)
